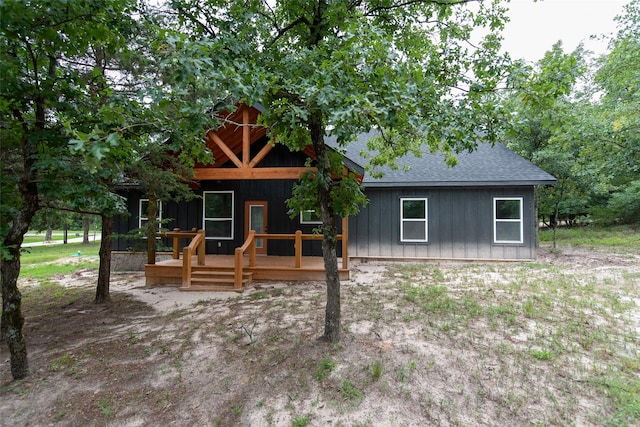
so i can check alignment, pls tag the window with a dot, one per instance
(143, 216)
(310, 217)
(507, 216)
(218, 214)
(413, 220)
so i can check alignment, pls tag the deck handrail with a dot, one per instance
(197, 244)
(250, 245)
(176, 234)
(298, 237)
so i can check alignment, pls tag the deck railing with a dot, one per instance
(249, 247)
(176, 234)
(197, 246)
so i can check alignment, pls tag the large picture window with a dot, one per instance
(413, 220)
(507, 220)
(143, 213)
(218, 214)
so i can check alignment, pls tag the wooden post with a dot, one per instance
(176, 244)
(186, 268)
(298, 249)
(201, 248)
(252, 248)
(237, 277)
(345, 243)
(246, 138)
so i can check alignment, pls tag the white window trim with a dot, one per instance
(144, 218)
(232, 218)
(302, 221)
(425, 220)
(496, 220)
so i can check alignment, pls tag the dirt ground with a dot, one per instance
(446, 343)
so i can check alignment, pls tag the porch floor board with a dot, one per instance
(268, 267)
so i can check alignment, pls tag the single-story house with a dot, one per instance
(483, 208)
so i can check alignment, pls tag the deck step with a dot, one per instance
(211, 279)
(218, 273)
(212, 288)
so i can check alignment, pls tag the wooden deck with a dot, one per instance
(221, 267)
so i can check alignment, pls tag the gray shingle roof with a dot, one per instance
(486, 166)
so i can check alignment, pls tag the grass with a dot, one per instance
(324, 368)
(376, 370)
(48, 253)
(626, 395)
(56, 236)
(65, 361)
(39, 262)
(542, 354)
(45, 271)
(301, 420)
(48, 294)
(350, 392)
(106, 407)
(623, 236)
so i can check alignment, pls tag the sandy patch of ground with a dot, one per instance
(423, 344)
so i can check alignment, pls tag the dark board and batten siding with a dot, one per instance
(188, 215)
(275, 192)
(460, 225)
(183, 216)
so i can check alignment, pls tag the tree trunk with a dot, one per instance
(65, 238)
(152, 226)
(329, 233)
(48, 235)
(332, 311)
(559, 189)
(535, 215)
(12, 318)
(555, 225)
(86, 226)
(104, 271)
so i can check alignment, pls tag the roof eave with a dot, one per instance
(433, 184)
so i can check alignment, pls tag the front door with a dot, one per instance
(255, 218)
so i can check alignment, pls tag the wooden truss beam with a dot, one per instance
(261, 155)
(246, 138)
(226, 150)
(245, 166)
(221, 174)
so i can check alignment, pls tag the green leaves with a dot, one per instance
(85, 96)
(579, 121)
(347, 194)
